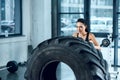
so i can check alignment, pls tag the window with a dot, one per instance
(101, 25)
(10, 18)
(101, 13)
(69, 12)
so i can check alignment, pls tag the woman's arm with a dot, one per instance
(94, 41)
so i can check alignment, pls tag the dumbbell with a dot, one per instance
(11, 66)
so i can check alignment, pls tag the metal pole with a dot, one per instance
(115, 32)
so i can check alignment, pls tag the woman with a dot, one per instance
(84, 34)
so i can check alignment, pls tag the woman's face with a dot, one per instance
(80, 27)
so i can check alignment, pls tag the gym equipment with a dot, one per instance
(11, 66)
(80, 55)
(105, 42)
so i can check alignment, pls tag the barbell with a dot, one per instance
(11, 66)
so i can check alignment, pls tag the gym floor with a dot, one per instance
(18, 75)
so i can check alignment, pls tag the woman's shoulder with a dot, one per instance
(75, 34)
(91, 34)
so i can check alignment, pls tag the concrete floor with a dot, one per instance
(19, 75)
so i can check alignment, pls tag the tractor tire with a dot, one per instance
(78, 54)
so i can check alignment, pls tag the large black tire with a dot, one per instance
(78, 54)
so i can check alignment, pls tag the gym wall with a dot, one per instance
(36, 27)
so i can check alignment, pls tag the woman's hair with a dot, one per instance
(84, 22)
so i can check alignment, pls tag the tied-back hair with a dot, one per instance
(84, 22)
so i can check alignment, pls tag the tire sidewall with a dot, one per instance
(62, 54)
